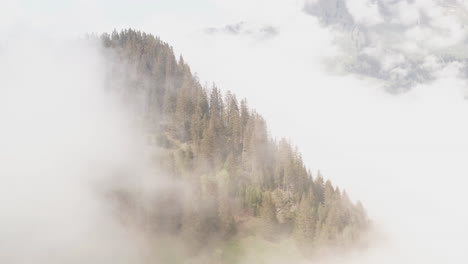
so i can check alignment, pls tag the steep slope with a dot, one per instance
(242, 183)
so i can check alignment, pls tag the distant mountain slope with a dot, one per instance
(242, 182)
(400, 43)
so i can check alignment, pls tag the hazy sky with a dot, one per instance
(403, 155)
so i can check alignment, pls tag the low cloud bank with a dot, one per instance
(64, 140)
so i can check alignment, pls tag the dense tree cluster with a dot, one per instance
(222, 148)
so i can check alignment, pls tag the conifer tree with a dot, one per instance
(268, 209)
(305, 223)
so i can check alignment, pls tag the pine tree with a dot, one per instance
(268, 209)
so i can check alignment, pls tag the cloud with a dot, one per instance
(403, 155)
(229, 29)
(365, 12)
(407, 30)
(63, 138)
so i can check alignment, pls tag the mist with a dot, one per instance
(403, 156)
(65, 142)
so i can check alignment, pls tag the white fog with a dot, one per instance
(401, 152)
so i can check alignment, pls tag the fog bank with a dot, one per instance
(402, 156)
(63, 139)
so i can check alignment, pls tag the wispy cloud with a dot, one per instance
(404, 156)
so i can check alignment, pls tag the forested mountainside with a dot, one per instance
(242, 181)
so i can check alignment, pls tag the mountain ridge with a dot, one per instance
(240, 178)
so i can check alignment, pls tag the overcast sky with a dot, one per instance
(298, 63)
